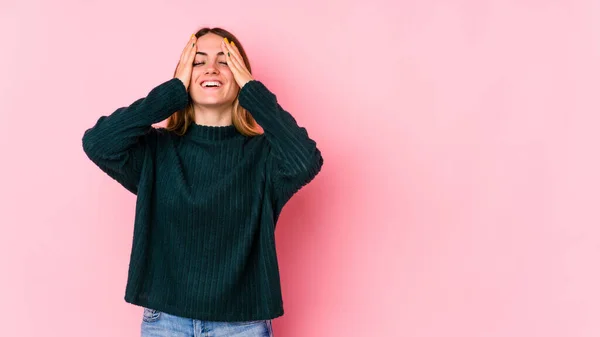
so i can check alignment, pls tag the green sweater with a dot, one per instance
(207, 202)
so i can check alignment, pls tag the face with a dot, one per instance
(211, 64)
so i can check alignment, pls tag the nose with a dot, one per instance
(211, 68)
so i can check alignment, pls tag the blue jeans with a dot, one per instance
(160, 324)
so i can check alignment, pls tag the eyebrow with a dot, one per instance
(203, 53)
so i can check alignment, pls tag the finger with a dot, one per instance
(227, 52)
(189, 47)
(239, 66)
(236, 54)
(231, 61)
(235, 48)
(193, 49)
(234, 57)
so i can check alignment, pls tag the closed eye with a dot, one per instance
(195, 64)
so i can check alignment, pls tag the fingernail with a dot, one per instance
(232, 43)
(191, 37)
(226, 41)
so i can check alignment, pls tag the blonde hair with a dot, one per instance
(241, 118)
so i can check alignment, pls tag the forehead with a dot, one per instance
(209, 47)
(210, 43)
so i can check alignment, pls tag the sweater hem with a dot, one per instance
(204, 316)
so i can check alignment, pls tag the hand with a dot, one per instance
(236, 63)
(184, 67)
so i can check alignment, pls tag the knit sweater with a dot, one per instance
(207, 202)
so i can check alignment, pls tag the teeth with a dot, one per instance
(211, 83)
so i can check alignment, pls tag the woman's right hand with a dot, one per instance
(184, 67)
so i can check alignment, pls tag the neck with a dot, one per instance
(213, 115)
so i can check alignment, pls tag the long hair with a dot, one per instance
(241, 118)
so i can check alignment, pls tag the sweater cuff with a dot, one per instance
(161, 102)
(179, 95)
(255, 94)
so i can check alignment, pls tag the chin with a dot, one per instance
(214, 101)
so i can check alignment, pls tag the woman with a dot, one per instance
(210, 187)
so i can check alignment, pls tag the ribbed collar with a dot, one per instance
(210, 132)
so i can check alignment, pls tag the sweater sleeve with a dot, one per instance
(296, 158)
(117, 143)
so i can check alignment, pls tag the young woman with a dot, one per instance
(210, 187)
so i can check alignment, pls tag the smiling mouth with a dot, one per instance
(211, 84)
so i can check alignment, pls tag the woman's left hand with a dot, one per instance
(236, 63)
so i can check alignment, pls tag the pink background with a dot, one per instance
(459, 192)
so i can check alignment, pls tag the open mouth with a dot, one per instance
(211, 85)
